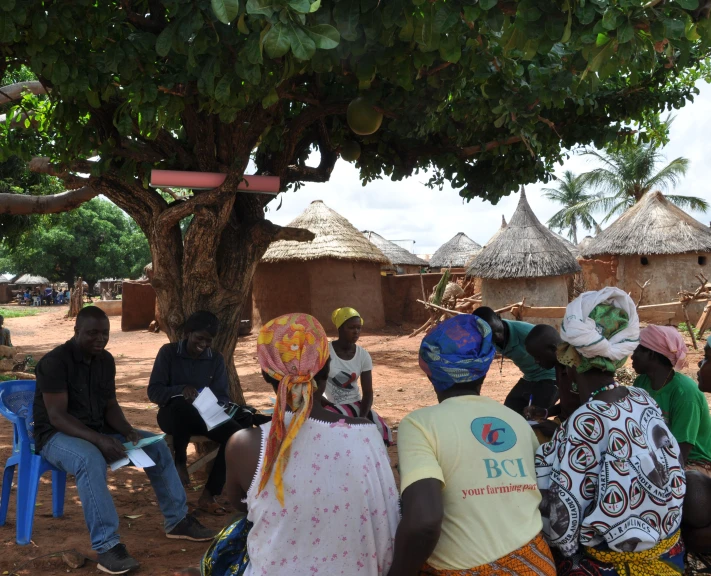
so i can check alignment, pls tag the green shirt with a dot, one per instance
(515, 351)
(686, 412)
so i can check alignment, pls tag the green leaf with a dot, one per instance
(612, 18)
(300, 6)
(164, 42)
(407, 31)
(487, 4)
(7, 5)
(674, 27)
(444, 19)
(450, 50)
(270, 99)
(225, 10)
(7, 28)
(39, 25)
(586, 14)
(325, 37)
(302, 45)
(688, 4)
(315, 6)
(222, 90)
(602, 56)
(601, 39)
(625, 32)
(264, 7)
(253, 49)
(690, 32)
(242, 25)
(93, 98)
(347, 14)
(568, 27)
(276, 41)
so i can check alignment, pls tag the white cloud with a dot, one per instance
(410, 210)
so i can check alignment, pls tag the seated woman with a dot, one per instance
(317, 486)
(660, 353)
(349, 364)
(612, 481)
(469, 495)
(180, 371)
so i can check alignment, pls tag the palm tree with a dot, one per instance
(629, 172)
(571, 193)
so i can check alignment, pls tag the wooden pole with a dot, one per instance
(690, 327)
(422, 285)
(440, 308)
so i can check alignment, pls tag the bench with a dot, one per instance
(203, 460)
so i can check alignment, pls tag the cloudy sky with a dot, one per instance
(408, 210)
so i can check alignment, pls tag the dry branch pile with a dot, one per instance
(456, 298)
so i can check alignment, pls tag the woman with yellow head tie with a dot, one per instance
(317, 487)
(351, 365)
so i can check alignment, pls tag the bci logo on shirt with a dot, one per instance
(494, 433)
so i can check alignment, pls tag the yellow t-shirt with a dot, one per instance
(483, 454)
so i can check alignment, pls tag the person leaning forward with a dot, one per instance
(537, 387)
(80, 428)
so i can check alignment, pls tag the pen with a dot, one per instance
(530, 399)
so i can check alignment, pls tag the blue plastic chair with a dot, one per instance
(16, 399)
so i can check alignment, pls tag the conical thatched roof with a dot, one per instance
(335, 238)
(584, 243)
(396, 254)
(30, 280)
(524, 249)
(455, 253)
(498, 232)
(568, 244)
(652, 226)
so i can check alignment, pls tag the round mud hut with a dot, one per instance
(455, 253)
(401, 261)
(656, 241)
(339, 267)
(525, 260)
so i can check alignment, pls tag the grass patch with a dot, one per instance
(18, 312)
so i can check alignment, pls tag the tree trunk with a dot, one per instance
(210, 271)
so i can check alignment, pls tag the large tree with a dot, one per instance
(484, 94)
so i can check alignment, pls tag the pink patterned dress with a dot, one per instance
(341, 506)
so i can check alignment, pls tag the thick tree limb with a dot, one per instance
(472, 150)
(14, 92)
(42, 165)
(21, 204)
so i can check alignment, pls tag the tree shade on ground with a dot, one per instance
(485, 95)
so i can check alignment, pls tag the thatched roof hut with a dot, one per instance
(455, 253)
(403, 261)
(652, 226)
(572, 248)
(339, 267)
(498, 232)
(524, 249)
(335, 238)
(31, 280)
(525, 260)
(653, 240)
(584, 243)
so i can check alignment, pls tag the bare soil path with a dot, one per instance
(400, 387)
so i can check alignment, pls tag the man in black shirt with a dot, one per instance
(80, 428)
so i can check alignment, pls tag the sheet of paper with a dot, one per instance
(144, 442)
(119, 464)
(212, 413)
(140, 459)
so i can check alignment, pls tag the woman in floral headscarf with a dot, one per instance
(316, 486)
(611, 479)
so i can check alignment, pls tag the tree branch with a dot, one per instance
(13, 92)
(21, 204)
(321, 173)
(472, 150)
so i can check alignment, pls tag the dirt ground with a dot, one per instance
(400, 387)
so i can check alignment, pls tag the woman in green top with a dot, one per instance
(661, 353)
